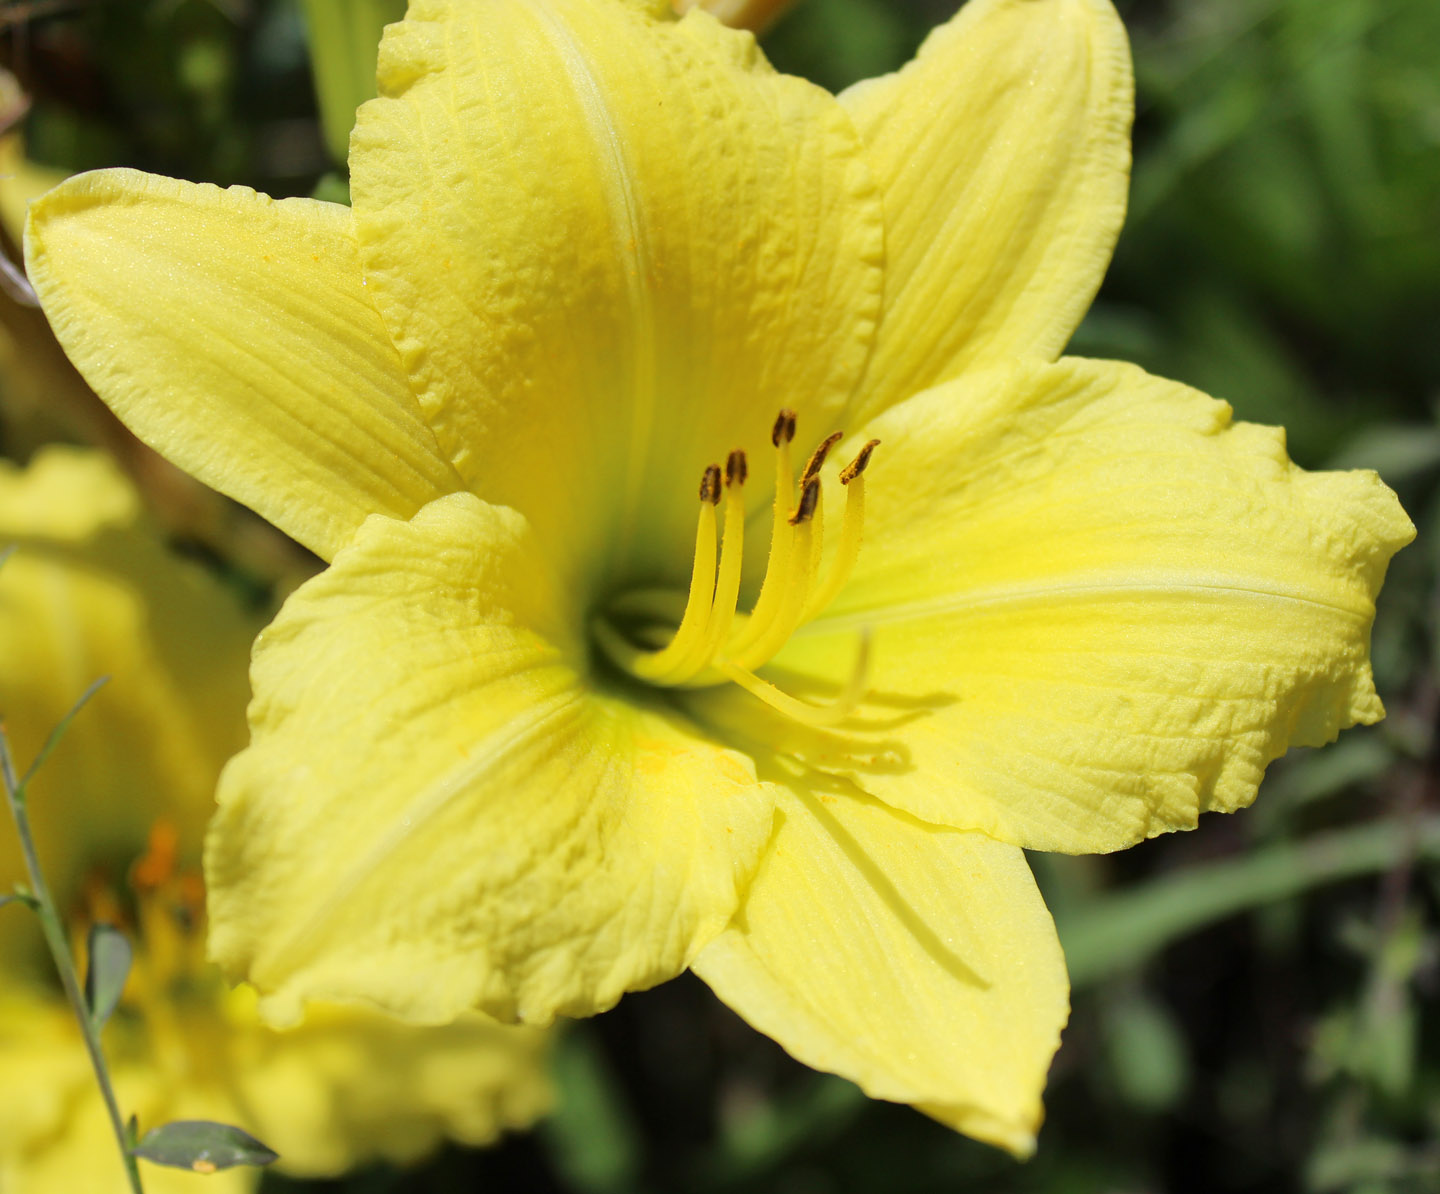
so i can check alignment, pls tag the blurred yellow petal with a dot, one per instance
(231, 332)
(91, 592)
(916, 961)
(1099, 609)
(609, 245)
(21, 180)
(509, 838)
(55, 1134)
(1003, 154)
(351, 1085)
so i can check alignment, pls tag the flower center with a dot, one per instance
(713, 643)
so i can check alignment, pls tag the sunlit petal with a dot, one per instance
(1003, 154)
(1098, 609)
(918, 962)
(507, 839)
(231, 333)
(609, 245)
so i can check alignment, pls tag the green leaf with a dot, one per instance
(59, 731)
(592, 1138)
(109, 967)
(202, 1146)
(344, 40)
(1147, 1053)
(1114, 932)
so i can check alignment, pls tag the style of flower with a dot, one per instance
(550, 727)
(119, 809)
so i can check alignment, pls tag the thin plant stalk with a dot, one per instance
(44, 905)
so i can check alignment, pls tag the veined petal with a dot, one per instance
(916, 961)
(1099, 609)
(232, 334)
(1003, 154)
(609, 245)
(507, 838)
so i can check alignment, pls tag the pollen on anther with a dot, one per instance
(710, 485)
(736, 468)
(809, 499)
(784, 428)
(858, 465)
(817, 457)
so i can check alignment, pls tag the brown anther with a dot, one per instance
(817, 457)
(736, 468)
(710, 485)
(809, 499)
(857, 466)
(784, 428)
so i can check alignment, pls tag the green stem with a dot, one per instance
(60, 950)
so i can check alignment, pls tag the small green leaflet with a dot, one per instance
(108, 968)
(202, 1146)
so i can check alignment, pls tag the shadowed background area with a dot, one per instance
(1254, 1010)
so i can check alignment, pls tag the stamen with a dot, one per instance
(770, 635)
(772, 588)
(655, 666)
(732, 558)
(817, 457)
(803, 711)
(852, 476)
(702, 650)
(784, 429)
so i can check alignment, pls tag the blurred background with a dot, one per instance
(1255, 1005)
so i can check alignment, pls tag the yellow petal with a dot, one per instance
(436, 813)
(1003, 154)
(92, 592)
(350, 1085)
(231, 333)
(609, 245)
(918, 962)
(1099, 609)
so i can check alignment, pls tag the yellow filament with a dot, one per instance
(654, 666)
(772, 634)
(772, 588)
(848, 551)
(803, 711)
(727, 588)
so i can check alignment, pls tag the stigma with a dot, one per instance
(713, 642)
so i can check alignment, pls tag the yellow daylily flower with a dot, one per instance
(540, 734)
(90, 589)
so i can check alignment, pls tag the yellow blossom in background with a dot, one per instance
(119, 810)
(541, 734)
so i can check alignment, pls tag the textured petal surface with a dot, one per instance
(91, 592)
(230, 332)
(609, 245)
(1099, 609)
(1003, 154)
(918, 962)
(436, 814)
